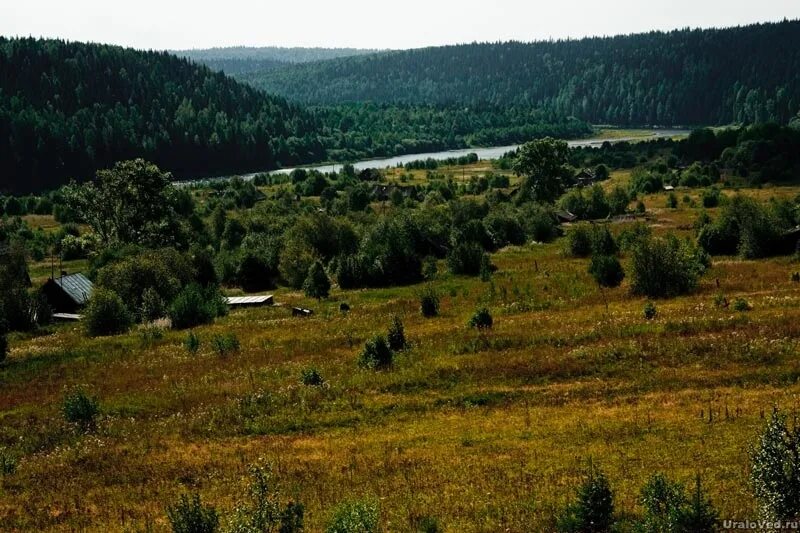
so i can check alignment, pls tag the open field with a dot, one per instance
(485, 432)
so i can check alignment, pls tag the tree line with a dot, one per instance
(68, 109)
(690, 77)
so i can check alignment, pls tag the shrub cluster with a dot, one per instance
(481, 320)
(106, 314)
(586, 239)
(667, 507)
(80, 409)
(747, 228)
(377, 354)
(429, 303)
(196, 305)
(355, 517)
(664, 267)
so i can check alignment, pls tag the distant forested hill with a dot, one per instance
(743, 74)
(240, 59)
(67, 109)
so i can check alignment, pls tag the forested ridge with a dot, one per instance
(688, 77)
(242, 59)
(67, 109)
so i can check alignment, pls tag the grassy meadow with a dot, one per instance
(484, 432)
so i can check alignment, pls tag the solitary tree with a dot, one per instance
(607, 272)
(593, 508)
(775, 470)
(542, 164)
(134, 202)
(317, 285)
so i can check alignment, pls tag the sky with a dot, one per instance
(182, 24)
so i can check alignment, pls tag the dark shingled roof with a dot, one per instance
(77, 286)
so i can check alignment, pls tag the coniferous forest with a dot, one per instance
(67, 109)
(690, 77)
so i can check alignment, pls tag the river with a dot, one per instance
(493, 152)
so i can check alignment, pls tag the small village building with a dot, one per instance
(68, 293)
(565, 217)
(585, 178)
(249, 301)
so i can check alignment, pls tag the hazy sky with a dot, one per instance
(174, 24)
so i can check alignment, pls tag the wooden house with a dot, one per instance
(68, 293)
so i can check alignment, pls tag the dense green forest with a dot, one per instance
(243, 59)
(359, 131)
(689, 77)
(67, 109)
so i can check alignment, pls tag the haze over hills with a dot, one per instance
(712, 76)
(243, 59)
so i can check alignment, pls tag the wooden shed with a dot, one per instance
(68, 293)
(249, 301)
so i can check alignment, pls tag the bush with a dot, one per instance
(3, 347)
(539, 222)
(134, 278)
(711, 197)
(388, 255)
(397, 336)
(428, 524)
(650, 311)
(672, 201)
(317, 285)
(8, 463)
(661, 499)
(196, 305)
(504, 229)
(668, 509)
(593, 509)
(586, 239)
(311, 377)
(150, 333)
(355, 517)
(80, 409)
(744, 227)
(664, 267)
(741, 305)
(376, 354)
(225, 344)
(153, 306)
(262, 511)
(579, 241)
(481, 320)
(429, 268)
(192, 343)
(466, 258)
(775, 470)
(606, 271)
(486, 268)
(106, 314)
(429, 303)
(698, 515)
(189, 515)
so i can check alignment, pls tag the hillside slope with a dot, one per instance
(67, 109)
(243, 59)
(744, 74)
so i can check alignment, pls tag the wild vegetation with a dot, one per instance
(194, 122)
(471, 363)
(694, 77)
(55, 125)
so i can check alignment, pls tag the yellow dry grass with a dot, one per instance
(484, 432)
